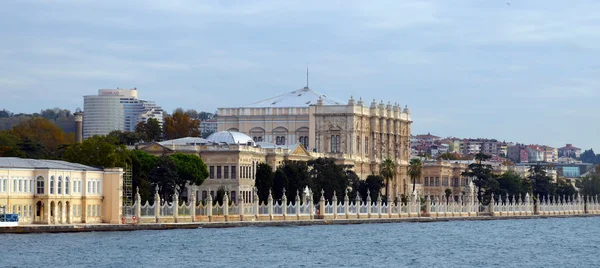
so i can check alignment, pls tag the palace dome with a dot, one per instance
(230, 137)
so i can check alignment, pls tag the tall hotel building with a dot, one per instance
(116, 109)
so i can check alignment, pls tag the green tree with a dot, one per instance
(328, 176)
(481, 174)
(264, 181)
(280, 181)
(99, 151)
(564, 189)
(588, 156)
(448, 156)
(415, 170)
(40, 131)
(297, 176)
(9, 145)
(141, 164)
(448, 193)
(541, 183)
(373, 185)
(511, 184)
(125, 138)
(220, 195)
(190, 170)
(149, 130)
(590, 185)
(164, 175)
(387, 169)
(180, 125)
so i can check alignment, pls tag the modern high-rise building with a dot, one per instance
(116, 109)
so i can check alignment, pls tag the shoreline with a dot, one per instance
(72, 228)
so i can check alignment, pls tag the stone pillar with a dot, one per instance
(156, 205)
(240, 202)
(427, 206)
(193, 207)
(226, 206)
(284, 205)
(492, 203)
(256, 205)
(270, 205)
(379, 205)
(357, 205)
(322, 205)
(297, 205)
(335, 205)
(209, 205)
(536, 205)
(460, 205)
(347, 204)
(470, 203)
(175, 206)
(310, 205)
(368, 204)
(389, 206)
(138, 206)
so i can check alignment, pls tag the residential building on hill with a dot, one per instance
(208, 126)
(570, 151)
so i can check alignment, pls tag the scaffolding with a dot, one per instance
(127, 187)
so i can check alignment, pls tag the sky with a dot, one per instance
(523, 71)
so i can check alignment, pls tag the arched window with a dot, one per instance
(305, 142)
(67, 185)
(301, 140)
(332, 144)
(277, 140)
(59, 185)
(52, 185)
(40, 185)
(282, 140)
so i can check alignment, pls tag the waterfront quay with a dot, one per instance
(69, 228)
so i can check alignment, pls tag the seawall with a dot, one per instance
(68, 228)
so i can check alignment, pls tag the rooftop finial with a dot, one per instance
(307, 75)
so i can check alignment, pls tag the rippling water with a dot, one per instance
(565, 242)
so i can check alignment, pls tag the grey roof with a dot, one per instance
(185, 141)
(230, 137)
(15, 162)
(298, 98)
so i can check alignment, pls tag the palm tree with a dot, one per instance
(415, 168)
(387, 169)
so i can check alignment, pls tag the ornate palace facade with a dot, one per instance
(351, 132)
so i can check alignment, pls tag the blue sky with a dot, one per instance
(524, 72)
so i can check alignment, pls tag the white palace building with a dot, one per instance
(354, 133)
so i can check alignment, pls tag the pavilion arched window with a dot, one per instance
(40, 185)
(59, 185)
(52, 185)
